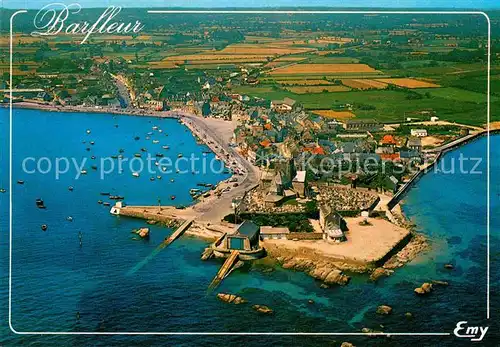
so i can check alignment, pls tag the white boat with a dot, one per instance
(83, 172)
(156, 141)
(135, 174)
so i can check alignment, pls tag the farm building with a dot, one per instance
(418, 132)
(284, 105)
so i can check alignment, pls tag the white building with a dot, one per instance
(418, 132)
(274, 233)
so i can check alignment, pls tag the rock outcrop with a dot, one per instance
(384, 309)
(347, 344)
(380, 272)
(262, 309)
(417, 244)
(231, 298)
(320, 270)
(142, 232)
(425, 288)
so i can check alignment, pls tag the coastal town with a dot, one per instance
(326, 188)
(317, 194)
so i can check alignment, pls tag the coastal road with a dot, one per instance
(214, 211)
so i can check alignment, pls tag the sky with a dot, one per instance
(450, 4)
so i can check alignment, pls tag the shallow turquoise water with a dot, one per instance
(53, 278)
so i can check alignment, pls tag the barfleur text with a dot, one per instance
(53, 19)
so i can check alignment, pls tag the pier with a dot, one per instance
(176, 234)
(225, 269)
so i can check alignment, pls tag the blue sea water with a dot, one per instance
(54, 278)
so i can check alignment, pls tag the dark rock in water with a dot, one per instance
(454, 240)
(384, 309)
(347, 344)
(408, 315)
(231, 298)
(262, 309)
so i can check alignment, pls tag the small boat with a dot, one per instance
(164, 169)
(159, 155)
(87, 149)
(116, 125)
(155, 128)
(138, 155)
(39, 203)
(121, 150)
(177, 171)
(114, 157)
(156, 141)
(116, 197)
(158, 177)
(92, 157)
(165, 147)
(2, 190)
(99, 202)
(104, 193)
(120, 156)
(150, 133)
(92, 143)
(172, 180)
(148, 138)
(144, 150)
(179, 155)
(194, 191)
(151, 178)
(20, 182)
(94, 167)
(136, 138)
(160, 130)
(69, 219)
(156, 163)
(88, 131)
(172, 197)
(135, 174)
(106, 203)
(44, 227)
(70, 188)
(83, 172)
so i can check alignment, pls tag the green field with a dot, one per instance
(390, 105)
(457, 94)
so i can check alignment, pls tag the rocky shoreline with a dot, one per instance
(332, 272)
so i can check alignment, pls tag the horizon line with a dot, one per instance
(282, 8)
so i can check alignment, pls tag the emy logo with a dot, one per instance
(475, 333)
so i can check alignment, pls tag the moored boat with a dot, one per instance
(39, 203)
